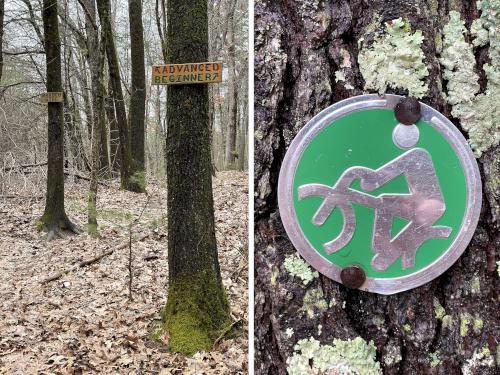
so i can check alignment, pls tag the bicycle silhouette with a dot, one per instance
(422, 207)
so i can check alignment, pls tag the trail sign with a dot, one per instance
(52, 97)
(184, 74)
(377, 204)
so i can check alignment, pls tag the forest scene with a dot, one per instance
(123, 204)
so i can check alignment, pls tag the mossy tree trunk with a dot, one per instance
(137, 97)
(104, 10)
(54, 218)
(197, 308)
(447, 326)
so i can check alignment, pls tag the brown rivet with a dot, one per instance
(352, 277)
(407, 111)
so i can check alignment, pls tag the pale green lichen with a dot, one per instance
(274, 276)
(392, 355)
(458, 62)
(447, 321)
(342, 357)
(314, 303)
(375, 24)
(339, 76)
(378, 320)
(475, 286)
(259, 135)
(477, 326)
(439, 310)
(498, 268)
(289, 332)
(395, 60)
(434, 7)
(434, 359)
(481, 358)
(478, 114)
(298, 268)
(407, 327)
(440, 313)
(465, 320)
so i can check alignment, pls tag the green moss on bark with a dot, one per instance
(196, 314)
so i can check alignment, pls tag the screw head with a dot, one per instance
(352, 277)
(407, 111)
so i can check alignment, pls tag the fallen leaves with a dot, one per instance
(83, 321)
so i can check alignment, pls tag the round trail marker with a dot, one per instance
(358, 190)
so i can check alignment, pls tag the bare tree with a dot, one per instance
(54, 218)
(104, 11)
(137, 98)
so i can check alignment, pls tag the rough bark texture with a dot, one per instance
(196, 307)
(98, 156)
(137, 97)
(299, 47)
(54, 217)
(96, 72)
(2, 4)
(232, 123)
(114, 134)
(104, 10)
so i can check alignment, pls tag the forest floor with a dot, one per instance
(84, 322)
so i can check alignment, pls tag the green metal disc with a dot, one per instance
(407, 228)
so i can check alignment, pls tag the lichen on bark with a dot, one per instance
(395, 60)
(347, 357)
(478, 114)
(300, 52)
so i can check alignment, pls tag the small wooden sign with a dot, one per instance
(52, 97)
(184, 74)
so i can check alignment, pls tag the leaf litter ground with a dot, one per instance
(83, 322)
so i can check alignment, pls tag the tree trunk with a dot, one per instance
(54, 218)
(197, 308)
(137, 98)
(98, 149)
(232, 123)
(114, 136)
(243, 146)
(307, 59)
(104, 10)
(2, 5)
(96, 71)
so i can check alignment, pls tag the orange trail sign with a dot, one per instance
(52, 97)
(184, 74)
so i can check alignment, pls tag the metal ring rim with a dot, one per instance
(433, 118)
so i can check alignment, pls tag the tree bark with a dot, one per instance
(232, 124)
(197, 308)
(96, 72)
(299, 47)
(104, 10)
(54, 218)
(2, 5)
(99, 147)
(114, 137)
(137, 98)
